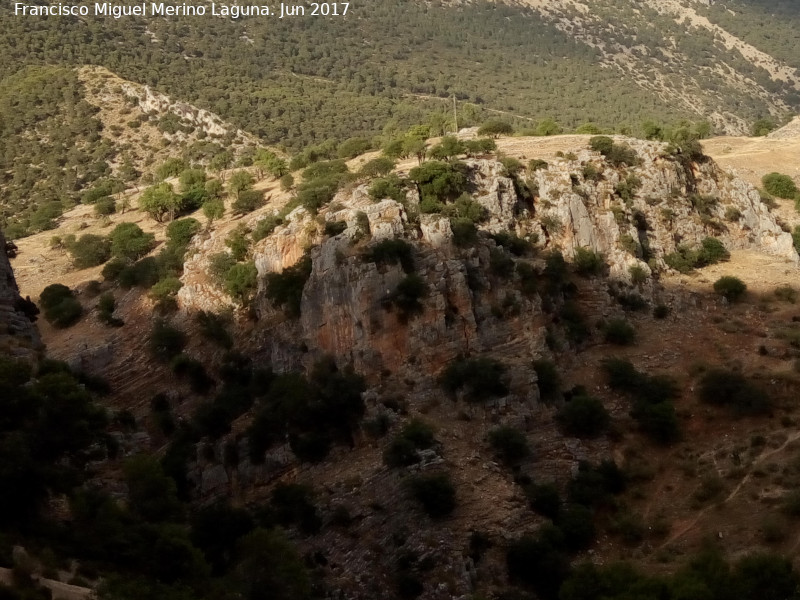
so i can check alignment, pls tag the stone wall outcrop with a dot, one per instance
(19, 337)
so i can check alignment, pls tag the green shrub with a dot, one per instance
(166, 341)
(214, 327)
(191, 368)
(390, 186)
(583, 416)
(100, 190)
(435, 492)
(104, 207)
(440, 181)
(241, 281)
(626, 189)
(786, 293)
(513, 243)
(61, 307)
(106, 305)
(528, 279)
(658, 421)
(181, 232)
(238, 242)
(712, 251)
(638, 274)
(166, 288)
(619, 332)
(465, 207)
(287, 182)
(661, 311)
(733, 390)
(129, 242)
(248, 201)
(465, 234)
(112, 269)
(479, 378)
(510, 444)
(732, 214)
(479, 146)
(631, 245)
(144, 273)
(89, 251)
(540, 562)
(591, 172)
(352, 147)
(407, 295)
(293, 504)
(495, 128)
(402, 450)
(334, 228)
(544, 499)
(500, 264)
(729, 287)
(537, 164)
(576, 522)
(651, 396)
(391, 252)
(588, 263)
(264, 227)
(780, 185)
(448, 148)
(286, 289)
(377, 167)
(601, 144)
(574, 323)
(622, 154)
(548, 379)
(313, 194)
(685, 259)
(511, 166)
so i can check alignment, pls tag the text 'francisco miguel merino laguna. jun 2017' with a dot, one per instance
(161, 9)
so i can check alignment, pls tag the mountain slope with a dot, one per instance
(64, 131)
(307, 80)
(675, 50)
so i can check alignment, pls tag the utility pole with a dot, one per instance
(455, 114)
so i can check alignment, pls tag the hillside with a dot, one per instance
(441, 300)
(488, 286)
(68, 131)
(306, 81)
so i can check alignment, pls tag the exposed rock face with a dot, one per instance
(670, 204)
(630, 215)
(212, 124)
(19, 337)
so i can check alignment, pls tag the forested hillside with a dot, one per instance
(51, 145)
(306, 80)
(771, 25)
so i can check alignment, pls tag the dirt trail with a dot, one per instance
(699, 515)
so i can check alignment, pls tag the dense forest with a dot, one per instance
(306, 80)
(772, 26)
(39, 180)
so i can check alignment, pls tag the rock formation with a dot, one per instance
(630, 215)
(19, 337)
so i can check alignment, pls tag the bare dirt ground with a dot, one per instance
(752, 158)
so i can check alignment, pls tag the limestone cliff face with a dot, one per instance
(19, 337)
(674, 204)
(630, 215)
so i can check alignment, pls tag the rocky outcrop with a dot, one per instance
(658, 205)
(633, 215)
(19, 337)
